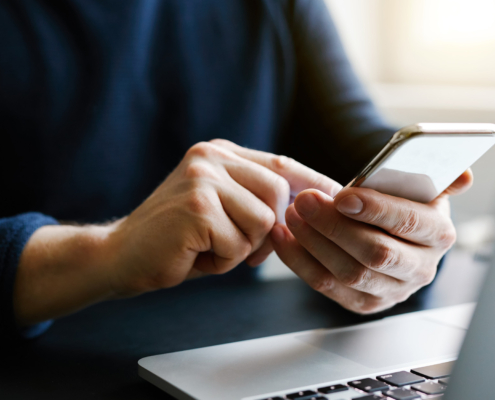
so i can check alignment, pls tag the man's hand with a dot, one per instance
(363, 249)
(215, 210)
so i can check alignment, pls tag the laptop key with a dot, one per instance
(402, 394)
(317, 397)
(400, 378)
(368, 385)
(430, 387)
(304, 394)
(369, 397)
(333, 389)
(444, 381)
(435, 371)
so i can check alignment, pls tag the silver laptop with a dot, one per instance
(409, 356)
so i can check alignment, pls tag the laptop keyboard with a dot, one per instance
(420, 383)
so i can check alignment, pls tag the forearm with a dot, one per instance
(61, 270)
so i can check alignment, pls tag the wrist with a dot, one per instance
(62, 269)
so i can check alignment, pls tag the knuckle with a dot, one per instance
(383, 257)
(321, 283)
(261, 226)
(333, 228)
(199, 202)
(244, 249)
(447, 237)
(282, 163)
(408, 223)
(238, 252)
(324, 183)
(317, 180)
(356, 278)
(312, 246)
(221, 142)
(202, 149)
(377, 214)
(198, 170)
(266, 220)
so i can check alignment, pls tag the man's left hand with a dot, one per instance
(363, 249)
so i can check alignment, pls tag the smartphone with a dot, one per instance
(420, 161)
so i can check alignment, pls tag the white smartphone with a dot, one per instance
(420, 161)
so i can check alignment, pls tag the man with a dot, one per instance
(101, 100)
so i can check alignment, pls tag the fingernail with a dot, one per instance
(307, 205)
(293, 218)
(277, 234)
(350, 205)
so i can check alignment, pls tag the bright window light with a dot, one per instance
(456, 21)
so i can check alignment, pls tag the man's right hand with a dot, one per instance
(212, 212)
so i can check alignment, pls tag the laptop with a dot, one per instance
(405, 357)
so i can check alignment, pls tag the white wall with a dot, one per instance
(358, 22)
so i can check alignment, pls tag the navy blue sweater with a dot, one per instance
(100, 99)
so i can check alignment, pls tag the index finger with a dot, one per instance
(298, 175)
(461, 184)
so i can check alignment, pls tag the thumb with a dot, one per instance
(461, 184)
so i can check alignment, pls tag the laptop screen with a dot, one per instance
(473, 373)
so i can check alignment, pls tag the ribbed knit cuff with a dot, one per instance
(14, 234)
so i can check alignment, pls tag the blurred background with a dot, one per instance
(428, 61)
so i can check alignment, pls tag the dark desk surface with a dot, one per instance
(93, 354)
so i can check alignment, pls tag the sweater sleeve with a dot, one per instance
(335, 127)
(14, 234)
